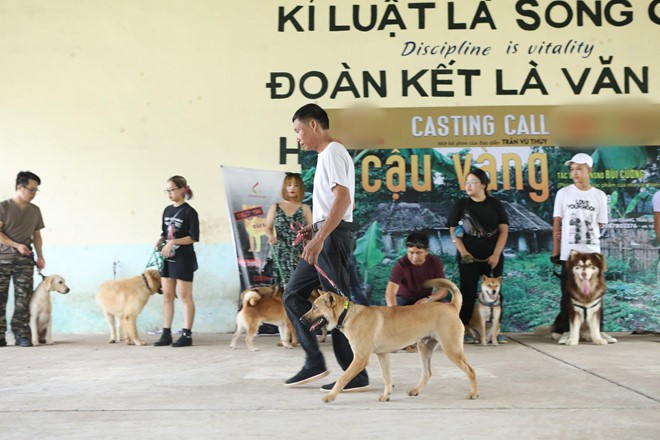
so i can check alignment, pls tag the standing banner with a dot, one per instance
(250, 193)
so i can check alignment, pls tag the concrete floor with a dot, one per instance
(531, 388)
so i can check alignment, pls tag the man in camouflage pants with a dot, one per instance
(20, 225)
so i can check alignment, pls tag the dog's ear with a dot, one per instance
(330, 299)
(483, 278)
(602, 263)
(48, 283)
(499, 279)
(154, 275)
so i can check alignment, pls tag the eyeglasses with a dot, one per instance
(288, 174)
(417, 245)
(32, 190)
(472, 182)
(168, 191)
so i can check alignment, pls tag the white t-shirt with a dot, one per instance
(581, 212)
(334, 166)
(656, 201)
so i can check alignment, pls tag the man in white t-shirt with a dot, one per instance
(329, 246)
(580, 213)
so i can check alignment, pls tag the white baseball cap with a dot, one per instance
(581, 158)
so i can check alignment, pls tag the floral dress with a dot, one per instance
(284, 255)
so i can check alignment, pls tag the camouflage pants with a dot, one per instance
(21, 269)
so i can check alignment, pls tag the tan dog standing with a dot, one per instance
(263, 304)
(41, 309)
(485, 322)
(382, 330)
(123, 300)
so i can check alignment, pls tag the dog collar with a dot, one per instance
(340, 321)
(491, 304)
(146, 282)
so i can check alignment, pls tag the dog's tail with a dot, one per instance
(444, 283)
(547, 330)
(251, 298)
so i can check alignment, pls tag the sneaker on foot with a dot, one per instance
(165, 339)
(468, 339)
(23, 342)
(351, 387)
(183, 341)
(501, 339)
(306, 375)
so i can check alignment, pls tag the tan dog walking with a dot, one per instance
(382, 330)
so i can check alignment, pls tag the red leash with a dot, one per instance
(297, 227)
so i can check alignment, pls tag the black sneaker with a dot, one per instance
(183, 341)
(351, 387)
(3, 342)
(306, 375)
(165, 339)
(23, 342)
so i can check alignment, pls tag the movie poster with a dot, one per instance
(404, 190)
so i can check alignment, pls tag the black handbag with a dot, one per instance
(469, 225)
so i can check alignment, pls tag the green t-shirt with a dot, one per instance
(19, 224)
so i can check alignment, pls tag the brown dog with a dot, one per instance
(382, 330)
(123, 300)
(263, 304)
(41, 308)
(586, 287)
(485, 322)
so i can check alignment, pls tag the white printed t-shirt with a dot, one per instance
(581, 212)
(334, 166)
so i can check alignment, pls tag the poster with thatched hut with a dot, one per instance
(406, 190)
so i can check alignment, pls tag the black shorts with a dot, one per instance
(179, 270)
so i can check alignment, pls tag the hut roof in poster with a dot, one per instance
(406, 217)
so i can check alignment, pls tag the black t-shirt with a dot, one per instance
(490, 213)
(181, 221)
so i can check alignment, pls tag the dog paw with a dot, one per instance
(253, 349)
(413, 392)
(111, 341)
(571, 342)
(600, 342)
(232, 346)
(50, 343)
(472, 395)
(384, 398)
(328, 398)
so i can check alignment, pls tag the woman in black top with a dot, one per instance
(484, 242)
(180, 229)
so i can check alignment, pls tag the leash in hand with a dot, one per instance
(304, 237)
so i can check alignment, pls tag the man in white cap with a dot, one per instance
(579, 215)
